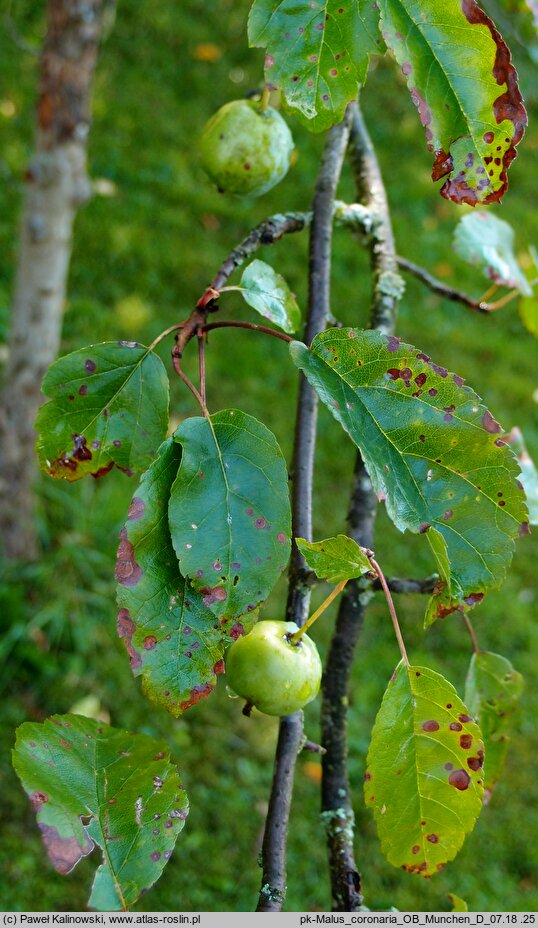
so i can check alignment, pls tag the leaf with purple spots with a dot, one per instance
(317, 52)
(486, 242)
(334, 559)
(108, 406)
(169, 633)
(460, 76)
(422, 781)
(229, 511)
(492, 692)
(93, 785)
(432, 450)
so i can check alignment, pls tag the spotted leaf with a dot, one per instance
(169, 634)
(458, 904)
(432, 451)
(486, 242)
(461, 79)
(334, 559)
(229, 512)
(492, 692)
(268, 293)
(91, 784)
(108, 406)
(317, 52)
(424, 777)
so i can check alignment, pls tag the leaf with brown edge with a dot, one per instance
(171, 637)
(432, 450)
(461, 79)
(108, 406)
(484, 241)
(94, 785)
(424, 777)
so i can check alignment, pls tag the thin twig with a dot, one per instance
(436, 286)
(399, 585)
(337, 809)
(234, 324)
(291, 736)
(266, 233)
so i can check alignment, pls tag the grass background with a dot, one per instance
(145, 248)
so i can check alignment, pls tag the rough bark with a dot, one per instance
(291, 737)
(336, 800)
(56, 186)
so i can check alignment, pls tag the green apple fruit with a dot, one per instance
(246, 150)
(271, 672)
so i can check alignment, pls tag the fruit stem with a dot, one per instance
(390, 604)
(296, 637)
(264, 102)
(489, 293)
(511, 295)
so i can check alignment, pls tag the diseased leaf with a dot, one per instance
(268, 293)
(458, 905)
(91, 784)
(529, 475)
(486, 242)
(169, 634)
(432, 451)
(424, 777)
(492, 692)
(334, 559)
(461, 79)
(317, 52)
(229, 511)
(108, 406)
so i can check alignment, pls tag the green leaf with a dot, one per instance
(528, 311)
(529, 475)
(229, 511)
(268, 293)
(317, 52)
(169, 634)
(486, 242)
(492, 692)
(430, 449)
(108, 406)
(458, 905)
(334, 559)
(424, 774)
(462, 82)
(92, 784)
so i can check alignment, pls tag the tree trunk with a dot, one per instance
(56, 185)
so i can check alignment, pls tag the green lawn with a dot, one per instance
(145, 248)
